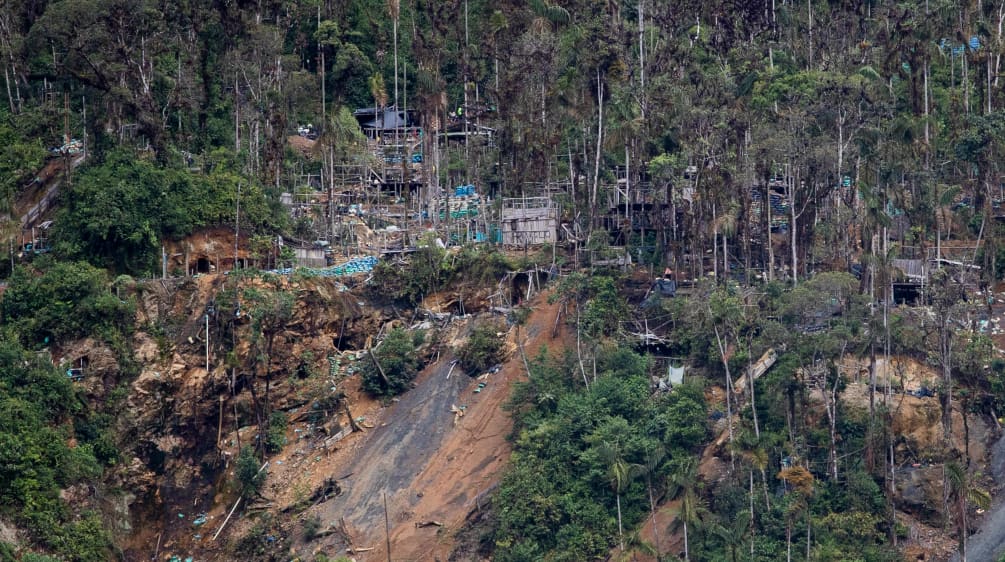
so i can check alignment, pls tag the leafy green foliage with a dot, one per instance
(248, 472)
(430, 269)
(423, 275)
(577, 448)
(311, 527)
(32, 557)
(482, 350)
(265, 541)
(123, 207)
(391, 367)
(50, 302)
(275, 438)
(37, 407)
(20, 158)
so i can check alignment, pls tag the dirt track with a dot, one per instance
(430, 468)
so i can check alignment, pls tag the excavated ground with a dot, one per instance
(184, 425)
(431, 468)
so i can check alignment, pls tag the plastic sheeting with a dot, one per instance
(676, 375)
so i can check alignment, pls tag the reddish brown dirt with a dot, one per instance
(214, 245)
(671, 534)
(431, 468)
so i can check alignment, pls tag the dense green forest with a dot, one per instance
(779, 156)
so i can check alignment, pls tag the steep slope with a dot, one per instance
(431, 468)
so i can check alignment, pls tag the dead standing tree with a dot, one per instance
(948, 302)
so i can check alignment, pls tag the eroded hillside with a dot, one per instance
(285, 358)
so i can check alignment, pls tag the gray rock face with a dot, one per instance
(919, 492)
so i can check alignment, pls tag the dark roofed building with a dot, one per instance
(375, 120)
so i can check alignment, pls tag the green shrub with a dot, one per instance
(480, 264)
(482, 350)
(397, 362)
(248, 472)
(124, 206)
(275, 437)
(424, 273)
(62, 301)
(39, 413)
(263, 542)
(311, 527)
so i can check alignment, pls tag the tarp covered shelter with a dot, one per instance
(385, 119)
(665, 287)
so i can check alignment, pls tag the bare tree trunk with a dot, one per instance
(809, 534)
(621, 536)
(792, 231)
(628, 200)
(652, 516)
(928, 137)
(753, 400)
(725, 258)
(729, 396)
(766, 208)
(321, 73)
(764, 484)
(752, 519)
(947, 407)
(788, 542)
(809, 16)
(642, 62)
(600, 139)
(869, 435)
(10, 97)
(830, 405)
(715, 243)
(237, 116)
(687, 553)
(579, 349)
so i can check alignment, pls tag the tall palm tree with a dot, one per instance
(634, 545)
(653, 459)
(963, 492)
(733, 532)
(547, 16)
(684, 486)
(800, 482)
(754, 451)
(725, 225)
(620, 473)
(378, 91)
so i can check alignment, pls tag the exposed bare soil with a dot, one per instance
(431, 468)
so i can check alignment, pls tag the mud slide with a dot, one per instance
(432, 469)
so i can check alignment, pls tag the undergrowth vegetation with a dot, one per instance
(431, 269)
(43, 451)
(483, 348)
(391, 367)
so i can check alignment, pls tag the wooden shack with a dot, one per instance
(527, 221)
